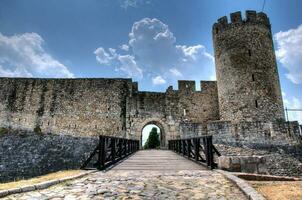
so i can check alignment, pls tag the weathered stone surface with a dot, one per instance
(90, 107)
(246, 69)
(248, 164)
(280, 160)
(123, 184)
(25, 154)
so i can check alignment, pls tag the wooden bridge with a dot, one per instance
(111, 150)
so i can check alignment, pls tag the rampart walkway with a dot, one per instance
(153, 174)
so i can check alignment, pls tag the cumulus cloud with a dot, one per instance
(102, 56)
(289, 52)
(293, 103)
(129, 65)
(23, 56)
(158, 80)
(124, 47)
(153, 48)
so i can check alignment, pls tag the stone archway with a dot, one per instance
(161, 125)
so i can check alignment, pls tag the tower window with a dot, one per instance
(250, 53)
(256, 103)
(216, 29)
(253, 77)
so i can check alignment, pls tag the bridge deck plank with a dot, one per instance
(157, 160)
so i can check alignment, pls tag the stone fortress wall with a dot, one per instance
(67, 106)
(90, 107)
(54, 123)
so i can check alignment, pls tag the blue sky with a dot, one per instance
(155, 42)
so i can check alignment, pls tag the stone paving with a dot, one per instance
(122, 183)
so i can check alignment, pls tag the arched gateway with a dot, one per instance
(138, 127)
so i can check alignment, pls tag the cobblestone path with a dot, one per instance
(134, 179)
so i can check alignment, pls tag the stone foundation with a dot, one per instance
(247, 164)
(27, 154)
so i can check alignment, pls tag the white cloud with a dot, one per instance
(113, 52)
(131, 3)
(158, 80)
(213, 77)
(154, 50)
(293, 103)
(23, 56)
(124, 47)
(289, 52)
(102, 56)
(130, 67)
(18, 72)
(175, 72)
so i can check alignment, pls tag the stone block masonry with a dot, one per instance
(80, 107)
(246, 69)
(91, 107)
(248, 164)
(27, 154)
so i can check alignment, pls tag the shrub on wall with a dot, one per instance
(153, 140)
(3, 131)
(38, 130)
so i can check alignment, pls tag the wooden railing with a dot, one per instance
(109, 151)
(199, 149)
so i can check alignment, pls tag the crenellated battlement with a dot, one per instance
(189, 86)
(251, 17)
(186, 86)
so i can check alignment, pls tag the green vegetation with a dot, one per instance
(3, 131)
(37, 129)
(153, 140)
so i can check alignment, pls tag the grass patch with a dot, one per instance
(279, 190)
(39, 179)
(3, 131)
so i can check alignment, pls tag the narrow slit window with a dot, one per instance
(216, 30)
(250, 53)
(253, 77)
(256, 103)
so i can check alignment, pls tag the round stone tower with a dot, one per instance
(246, 69)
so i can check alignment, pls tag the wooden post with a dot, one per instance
(102, 153)
(206, 149)
(211, 157)
(196, 148)
(113, 150)
(183, 147)
(120, 147)
(189, 148)
(125, 147)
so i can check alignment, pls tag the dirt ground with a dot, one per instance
(39, 179)
(279, 190)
